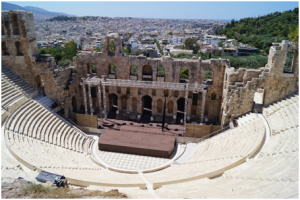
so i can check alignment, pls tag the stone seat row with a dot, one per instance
(284, 142)
(9, 94)
(273, 174)
(215, 155)
(237, 142)
(44, 155)
(289, 100)
(228, 188)
(18, 83)
(33, 120)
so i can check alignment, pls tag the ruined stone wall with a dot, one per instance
(123, 63)
(19, 38)
(240, 86)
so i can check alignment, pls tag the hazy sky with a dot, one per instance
(169, 10)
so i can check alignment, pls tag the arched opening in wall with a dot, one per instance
(170, 107)
(134, 103)
(159, 105)
(184, 75)
(124, 102)
(288, 62)
(15, 24)
(208, 76)
(180, 109)
(112, 46)
(112, 68)
(88, 68)
(213, 96)
(147, 73)
(18, 46)
(166, 93)
(161, 71)
(2, 28)
(38, 83)
(133, 70)
(93, 91)
(147, 109)
(93, 68)
(74, 104)
(113, 105)
(4, 49)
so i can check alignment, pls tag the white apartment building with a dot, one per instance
(213, 39)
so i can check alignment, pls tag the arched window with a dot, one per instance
(134, 103)
(15, 24)
(147, 73)
(184, 74)
(213, 96)
(133, 70)
(170, 107)
(124, 102)
(208, 76)
(112, 46)
(18, 48)
(288, 62)
(112, 69)
(2, 28)
(159, 105)
(161, 71)
(4, 49)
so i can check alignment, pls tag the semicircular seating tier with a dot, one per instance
(274, 173)
(215, 155)
(33, 120)
(14, 91)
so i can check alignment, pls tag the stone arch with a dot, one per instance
(170, 107)
(147, 70)
(18, 46)
(112, 45)
(88, 68)
(74, 104)
(147, 73)
(134, 103)
(209, 75)
(159, 106)
(288, 62)
(161, 71)
(112, 69)
(4, 49)
(14, 23)
(184, 74)
(124, 102)
(133, 70)
(180, 109)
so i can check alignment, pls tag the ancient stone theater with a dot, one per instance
(114, 121)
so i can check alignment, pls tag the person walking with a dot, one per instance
(181, 122)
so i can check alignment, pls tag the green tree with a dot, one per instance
(184, 72)
(70, 50)
(294, 34)
(220, 44)
(161, 71)
(191, 44)
(170, 33)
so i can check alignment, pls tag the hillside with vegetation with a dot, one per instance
(261, 31)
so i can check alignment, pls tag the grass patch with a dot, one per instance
(43, 192)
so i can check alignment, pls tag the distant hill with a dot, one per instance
(37, 12)
(261, 31)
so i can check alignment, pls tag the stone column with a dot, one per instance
(203, 106)
(104, 101)
(84, 95)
